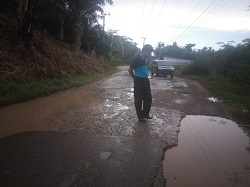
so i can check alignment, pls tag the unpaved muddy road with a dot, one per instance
(90, 136)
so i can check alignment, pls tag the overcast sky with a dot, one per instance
(202, 22)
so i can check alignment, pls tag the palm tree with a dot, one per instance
(60, 13)
(54, 10)
(46, 10)
(22, 8)
(84, 11)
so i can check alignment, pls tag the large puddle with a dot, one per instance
(211, 151)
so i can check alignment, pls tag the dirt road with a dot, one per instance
(90, 136)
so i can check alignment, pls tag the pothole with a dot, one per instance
(211, 151)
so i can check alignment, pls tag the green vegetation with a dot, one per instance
(51, 45)
(234, 94)
(18, 92)
(226, 72)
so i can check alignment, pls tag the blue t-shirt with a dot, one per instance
(140, 67)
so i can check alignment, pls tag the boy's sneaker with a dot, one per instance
(149, 117)
(142, 120)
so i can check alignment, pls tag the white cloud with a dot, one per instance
(135, 20)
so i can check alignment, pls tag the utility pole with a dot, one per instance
(160, 45)
(112, 36)
(103, 15)
(144, 38)
(121, 42)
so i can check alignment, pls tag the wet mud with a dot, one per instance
(107, 108)
(211, 151)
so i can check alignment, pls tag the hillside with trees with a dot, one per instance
(46, 39)
(46, 45)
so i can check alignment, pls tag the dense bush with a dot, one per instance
(199, 67)
(225, 72)
(232, 62)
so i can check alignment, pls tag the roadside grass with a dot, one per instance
(234, 94)
(11, 93)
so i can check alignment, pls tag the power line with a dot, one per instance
(195, 28)
(201, 20)
(195, 157)
(215, 11)
(210, 149)
(202, 149)
(193, 22)
(160, 12)
(143, 13)
(151, 13)
(185, 19)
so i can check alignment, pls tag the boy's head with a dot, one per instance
(147, 50)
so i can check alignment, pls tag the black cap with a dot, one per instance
(147, 48)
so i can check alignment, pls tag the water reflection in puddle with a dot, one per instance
(122, 107)
(119, 106)
(179, 101)
(214, 99)
(211, 151)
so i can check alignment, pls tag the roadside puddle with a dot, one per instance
(34, 115)
(211, 151)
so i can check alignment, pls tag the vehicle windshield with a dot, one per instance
(162, 63)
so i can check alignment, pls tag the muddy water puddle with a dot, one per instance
(34, 115)
(211, 151)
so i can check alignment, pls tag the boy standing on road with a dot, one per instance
(142, 92)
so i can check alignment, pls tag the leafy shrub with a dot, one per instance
(239, 73)
(199, 67)
(115, 61)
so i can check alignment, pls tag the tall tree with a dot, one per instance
(53, 11)
(84, 10)
(188, 47)
(22, 8)
(60, 12)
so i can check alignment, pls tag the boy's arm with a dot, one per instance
(131, 72)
